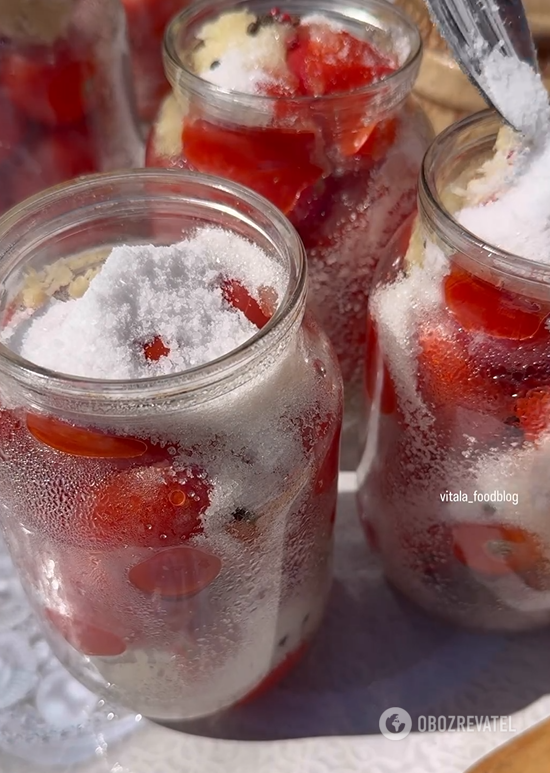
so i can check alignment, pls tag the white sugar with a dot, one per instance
(143, 292)
(518, 221)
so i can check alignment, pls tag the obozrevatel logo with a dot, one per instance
(395, 724)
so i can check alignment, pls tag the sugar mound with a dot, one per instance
(518, 219)
(143, 292)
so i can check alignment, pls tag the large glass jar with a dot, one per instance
(147, 20)
(453, 482)
(173, 612)
(66, 100)
(342, 167)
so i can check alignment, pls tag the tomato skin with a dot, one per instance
(449, 376)
(237, 296)
(331, 62)
(155, 349)
(76, 441)
(275, 163)
(11, 129)
(177, 572)
(147, 507)
(481, 307)
(533, 413)
(496, 550)
(49, 86)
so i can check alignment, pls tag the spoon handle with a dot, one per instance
(528, 753)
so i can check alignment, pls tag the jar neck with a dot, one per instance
(391, 29)
(453, 160)
(91, 214)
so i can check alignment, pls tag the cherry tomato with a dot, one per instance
(449, 376)
(277, 163)
(236, 295)
(276, 675)
(328, 61)
(86, 637)
(77, 441)
(54, 159)
(52, 87)
(375, 362)
(481, 307)
(148, 507)
(496, 550)
(176, 572)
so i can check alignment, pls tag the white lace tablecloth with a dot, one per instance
(374, 652)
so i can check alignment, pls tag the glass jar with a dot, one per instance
(173, 625)
(66, 99)
(147, 20)
(453, 482)
(342, 167)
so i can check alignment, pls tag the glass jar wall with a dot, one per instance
(66, 98)
(147, 20)
(342, 164)
(174, 533)
(453, 481)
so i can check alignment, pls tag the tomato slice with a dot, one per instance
(276, 675)
(148, 506)
(77, 441)
(52, 86)
(85, 637)
(428, 548)
(328, 61)
(236, 295)
(375, 361)
(449, 376)
(276, 163)
(481, 307)
(176, 572)
(155, 349)
(496, 550)
(533, 413)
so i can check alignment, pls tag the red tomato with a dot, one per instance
(236, 295)
(276, 163)
(496, 550)
(51, 86)
(86, 637)
(83, 442)
(533, 412)
(375, 362)
(276, 675)
(379, 140)
(148, 18)
(148, 507)
(176, 572)
(53, 160)
(449, 376)
(155, 349)
(481, 307)
(328, 61)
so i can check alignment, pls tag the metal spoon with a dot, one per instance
(478, 31)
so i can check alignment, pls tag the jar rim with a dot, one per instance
(444, 148)
(356, 10)
(15, 224)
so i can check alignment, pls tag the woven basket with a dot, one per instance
(442, 88)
